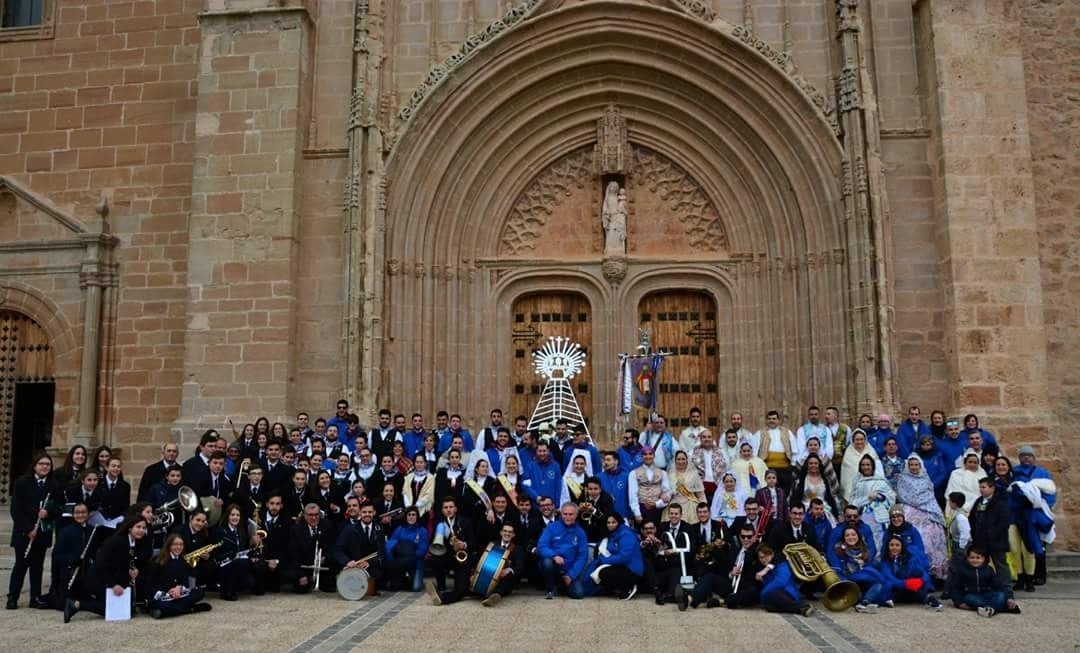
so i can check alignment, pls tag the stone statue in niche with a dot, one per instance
(613, 218)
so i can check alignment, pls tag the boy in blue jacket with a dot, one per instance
(779, 591)
(563, 551)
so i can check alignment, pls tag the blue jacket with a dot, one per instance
(780, 579)
(447, 438)
(950, 450)
(570, 542)
(544, 480)
(627, 460)
(936, 468)
(1031, 472)
(864, 530)
(625, 549)
(617, 484)
(912, 539)
(877, 437)
(342, 427)
(895, 572)
(414, 442)
(907, 436)
(414, 536)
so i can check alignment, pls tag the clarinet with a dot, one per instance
(37, 526)
(82, 559)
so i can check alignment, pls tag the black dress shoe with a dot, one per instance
(1039, 582)
(40, 604)
(1029, 584)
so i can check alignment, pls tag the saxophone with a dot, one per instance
(192, 559)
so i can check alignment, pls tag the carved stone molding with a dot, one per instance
(614, 269)
(543, 195)
(684, 197)
(613, 154)
(441, 71)
(698, 9)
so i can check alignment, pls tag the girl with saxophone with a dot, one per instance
(168, 575)
(235, 541)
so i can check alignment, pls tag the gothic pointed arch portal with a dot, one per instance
(495, 190)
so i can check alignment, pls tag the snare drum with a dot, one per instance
(486, 576)
(354, 584)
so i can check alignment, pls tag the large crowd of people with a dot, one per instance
(698, 519)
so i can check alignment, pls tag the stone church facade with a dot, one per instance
(216, 209)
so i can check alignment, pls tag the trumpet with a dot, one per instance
(192, 559)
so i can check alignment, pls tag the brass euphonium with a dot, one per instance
(809, 565)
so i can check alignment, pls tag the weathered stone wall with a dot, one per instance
(106, 107)
(1051, 35)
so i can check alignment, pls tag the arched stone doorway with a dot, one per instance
(732, 182)
(27, 394)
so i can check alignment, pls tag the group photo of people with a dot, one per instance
(787, 519)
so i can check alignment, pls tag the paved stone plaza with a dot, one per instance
(324, 623)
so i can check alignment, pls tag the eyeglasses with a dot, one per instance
(746, 537)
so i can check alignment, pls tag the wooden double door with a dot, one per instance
(683, 325)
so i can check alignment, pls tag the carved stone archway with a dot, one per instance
(762, 152)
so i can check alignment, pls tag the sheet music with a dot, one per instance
(97, 519)
(117, 608)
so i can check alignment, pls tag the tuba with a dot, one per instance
(186, 499)
(808, 565)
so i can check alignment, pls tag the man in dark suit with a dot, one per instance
(675, 535)
(253, 491)
(504, 583)
(276, 474)
(709, 532)
(753, 518)
(529, 528)
(271, 563)
(459, 530)
(309, 532)
(504, 514)
(794, 530)
(197, 468)
(739, 568)
(155, 472)
(360, 540)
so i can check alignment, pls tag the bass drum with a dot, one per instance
(354, 584)
(487, 572)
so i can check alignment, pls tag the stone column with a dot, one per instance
(252, 107)
(987, 233)
(91, 281)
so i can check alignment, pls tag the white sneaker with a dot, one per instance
(866, 608)
(986, 611)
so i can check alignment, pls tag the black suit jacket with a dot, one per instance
(26, 500)
(115, 502)
(751, 566)
(784, 534)
(113, 561)
(276, 542)
(353, 544)
(195, 474)
(279, 478)
(192, 541)
(381, 446)
(684, 537)
(527, 536)
(492, 532)
(163, 578)
(596, 526)
(444, 489)
(74, 494)
(302, 546)
(740, 521)
(151, 476)
(463, 529)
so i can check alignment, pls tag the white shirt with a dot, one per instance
(690, 437)
(632, 488)
(706, 457)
